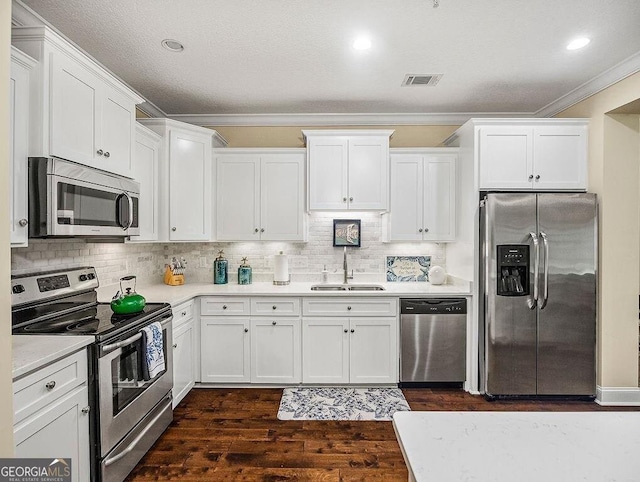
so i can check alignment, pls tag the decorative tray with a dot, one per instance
(408, 268)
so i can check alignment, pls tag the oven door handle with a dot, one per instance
(111, 460)
(114, 346)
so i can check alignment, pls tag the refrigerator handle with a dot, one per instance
(536, 270)
(545, 293)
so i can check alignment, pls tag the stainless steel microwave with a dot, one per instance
(69, 199)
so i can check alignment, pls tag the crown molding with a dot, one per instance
(615, 74)
(151, 109)
(337, 119)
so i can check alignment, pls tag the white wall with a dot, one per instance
(147, 261)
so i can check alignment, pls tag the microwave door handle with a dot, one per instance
(545, 292)
(130, 202)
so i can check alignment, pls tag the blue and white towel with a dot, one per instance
(152, 347)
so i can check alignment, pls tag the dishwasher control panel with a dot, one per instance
(433, 306)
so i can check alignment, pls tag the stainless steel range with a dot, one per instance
(129, 411)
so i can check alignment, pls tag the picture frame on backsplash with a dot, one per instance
(408, 268)
(346, 232)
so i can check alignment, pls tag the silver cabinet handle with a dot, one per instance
(224, 307)
(530, 177)
(420, 230)
(536, 270)
(352, 330)
(50, 385)
(274, 307)
(106, 154)
(184, 313)
(99, 152)
(262, 230)
(344, 199)
(545, 292)
(346, 331)
(23, 222)
(348, 308)
(173, 228)
(426, 230)
(273, 323)
(255, 230)
(538, 177)
(246, 330)
(86, 410)
(351, 199)
(175, 345)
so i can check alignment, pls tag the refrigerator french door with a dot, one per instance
(538, 276)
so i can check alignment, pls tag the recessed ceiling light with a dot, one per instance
(362, 43)
(578, 43)
(172, 45)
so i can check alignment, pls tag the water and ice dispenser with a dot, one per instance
(513, 270)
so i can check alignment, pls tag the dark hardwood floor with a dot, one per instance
(234, 434)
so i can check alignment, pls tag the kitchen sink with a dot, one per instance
(347, 288)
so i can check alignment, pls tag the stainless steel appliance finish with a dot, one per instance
(129, 410)
(433, 334)
(538, 312)
(69, 199)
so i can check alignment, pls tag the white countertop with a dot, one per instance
(158, 293)
(520, 446)
(31, 352)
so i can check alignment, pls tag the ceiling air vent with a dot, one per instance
(421, 79)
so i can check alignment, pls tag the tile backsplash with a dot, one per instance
(147, 260)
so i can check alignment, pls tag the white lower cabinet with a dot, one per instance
(275, 350)
(224, 348)
(51, 418)
(350, 340)
(184, 351)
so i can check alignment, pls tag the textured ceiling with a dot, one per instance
(287, 57)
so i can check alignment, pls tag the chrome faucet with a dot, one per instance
(347, 277)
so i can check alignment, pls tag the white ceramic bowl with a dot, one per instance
(437, 275)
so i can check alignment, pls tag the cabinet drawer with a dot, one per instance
(275, 306)
(224, 306)
(42, 387)
(182, 313)
(349, 307)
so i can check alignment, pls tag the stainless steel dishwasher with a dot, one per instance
(433, 334)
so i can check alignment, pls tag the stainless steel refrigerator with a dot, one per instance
(538, 276)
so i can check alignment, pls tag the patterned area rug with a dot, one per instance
(341, 403)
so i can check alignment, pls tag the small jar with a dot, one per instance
(220, 269)
(244, 273)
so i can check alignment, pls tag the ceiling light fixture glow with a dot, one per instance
(578, 43)
(362, 43)
(172, 45)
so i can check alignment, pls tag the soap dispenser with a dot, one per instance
(244, 273)
(220, 269)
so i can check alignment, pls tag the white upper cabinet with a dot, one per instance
(145, 170)
(260, 195)
(348, 169)
(185, 179)
(527, 154)
(21, 67)
(423, 195)
(80, 112)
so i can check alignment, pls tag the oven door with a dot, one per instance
(124, 397)
(80, 208)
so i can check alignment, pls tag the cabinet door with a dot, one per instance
(560, 157)
(61, 430)
(18, 155)
(325, 350)
(505, 157)
(224, 349)
(146, 171)
(407, 188)
(275, 350)
(117, 131)
(75, 97)
(439, 198)
(189, 187)
(184, 372)
(282, 197)
(238, 197)
(368, 176)
(373, 350)
(328, 165)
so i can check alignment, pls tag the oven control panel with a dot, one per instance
(32, 288)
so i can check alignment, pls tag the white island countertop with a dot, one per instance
(161, 293)
(31, 352)
(520, 446)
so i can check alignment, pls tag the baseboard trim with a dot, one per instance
(618, 396)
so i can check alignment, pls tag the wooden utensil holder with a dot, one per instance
(172, 279)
